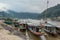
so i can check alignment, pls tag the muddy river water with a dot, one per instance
(49, 37)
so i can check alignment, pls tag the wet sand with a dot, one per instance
(6, 35)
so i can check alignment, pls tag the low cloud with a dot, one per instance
(30, 5)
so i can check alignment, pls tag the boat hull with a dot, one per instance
(36, 33)
(58, 32)
(54, 34)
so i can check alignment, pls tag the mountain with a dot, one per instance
(51, 12)
(13, 14)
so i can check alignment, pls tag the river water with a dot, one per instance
(49, 37)
(33, 37)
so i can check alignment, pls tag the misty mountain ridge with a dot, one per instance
(14, 14)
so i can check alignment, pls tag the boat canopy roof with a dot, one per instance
(33, 24)
(54, 23)
(49, 25)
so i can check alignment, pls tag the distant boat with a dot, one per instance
(35, 29)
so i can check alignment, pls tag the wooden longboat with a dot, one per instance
(22, 26)
(56, 26)
(51, 29)
(35, 29)
(58, 29)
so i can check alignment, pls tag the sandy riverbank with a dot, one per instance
(6, 35)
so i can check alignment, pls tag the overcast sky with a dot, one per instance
(29, 5)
